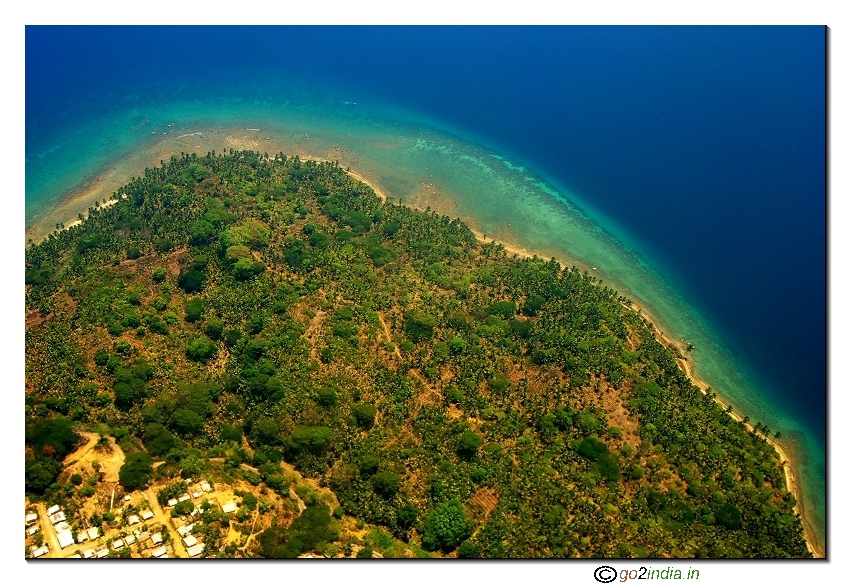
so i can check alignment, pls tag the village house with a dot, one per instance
(160, 552)
(65, 538)
(58, 516)
(42, 550)
(184, 529)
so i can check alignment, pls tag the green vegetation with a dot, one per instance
(136, 471)
(452, 397)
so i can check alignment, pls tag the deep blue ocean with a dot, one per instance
(696, 152)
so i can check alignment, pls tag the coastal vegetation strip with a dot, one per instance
(455, 400)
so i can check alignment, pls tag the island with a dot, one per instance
(245, 355)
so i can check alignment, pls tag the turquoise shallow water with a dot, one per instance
(418, 161)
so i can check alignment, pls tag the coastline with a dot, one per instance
(792, 483)
(101, 188)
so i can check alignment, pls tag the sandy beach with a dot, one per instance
(791, 480)
(443, 205)
(99, 190)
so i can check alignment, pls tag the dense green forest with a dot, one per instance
(267, 310)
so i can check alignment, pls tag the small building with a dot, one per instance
(42, 550)
(190, 541)
(133, 519)
(101, 553)
(195, 550)
(147, 515)
(184, 530)
(32, 530)
(184, 498)
(31, 517)
(196, 494)
(66, 538)
(172, 502)
(53, 509)
(88, 554)
(130, 539)
(143, 536)
(82, 536)
(61, 526)
(159, 552)
(57, 517)
(205, 486)
(228, 507)
(156, 539)
(93, 533)
(117, 544)
(127, 498)
(194, 512)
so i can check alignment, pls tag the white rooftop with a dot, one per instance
(52, 509)
(156, 538)
(172, 502)
(61, 526)
(32, 517)
(229, 507)
(147, 514)
(184, 530)
(82, 536)
(133, 519)
(205, 486)
(42, 550)
(127, 498)
(32, 530)
(88, 554)
(65, 538)
(93, 533)
(130, 539)
(118, 544)
(159, 552)
(57, 517)
(190, 541)
(102, 553)
(183, 498)
(196, 550)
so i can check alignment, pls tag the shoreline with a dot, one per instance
(92, 192)
(792, 483)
